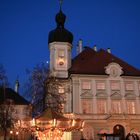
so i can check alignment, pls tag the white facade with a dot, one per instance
(60, 58)
(104, 102)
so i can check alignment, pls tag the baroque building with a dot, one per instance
(99, 87)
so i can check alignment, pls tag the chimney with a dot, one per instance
(79, 46)
(16, 86)
(108, 50)
(95, 48)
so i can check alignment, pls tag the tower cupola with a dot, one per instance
(60, 34)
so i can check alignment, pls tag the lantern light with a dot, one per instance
(17, 133)
(11, 132)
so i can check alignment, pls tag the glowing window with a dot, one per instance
(115, 85)
(61, 53)
(61, 89)
(101, 106)
(100, 85)
(86, 106)
(131, 107)
(116, 107)
(86, 85)
(129, 86)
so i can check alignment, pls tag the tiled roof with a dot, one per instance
(94, 63)
(9, 93)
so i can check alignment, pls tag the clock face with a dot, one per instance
(61, 61)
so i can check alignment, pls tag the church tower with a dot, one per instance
(60, 45)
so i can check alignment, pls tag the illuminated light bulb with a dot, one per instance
(83, 123)
(19, 122)
(54, 122)
(73, 122)
(17, 133)
(37, 129)
(11, 132)
(33, 122)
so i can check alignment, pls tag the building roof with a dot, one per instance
(10, 94)
(94, 63)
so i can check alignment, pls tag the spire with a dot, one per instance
(60, 17)
(16, 85)
(60, 2)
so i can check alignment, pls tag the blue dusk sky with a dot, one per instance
(25, 24)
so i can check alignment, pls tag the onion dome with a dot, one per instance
(60, 34)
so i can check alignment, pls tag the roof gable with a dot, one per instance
(12, 95)
(92, 62)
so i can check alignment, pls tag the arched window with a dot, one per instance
(119, 130)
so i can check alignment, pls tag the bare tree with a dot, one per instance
(35, 86)
(53, 98)
(3, 77)
(7, 118)
(6, 109)
(43, 90)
